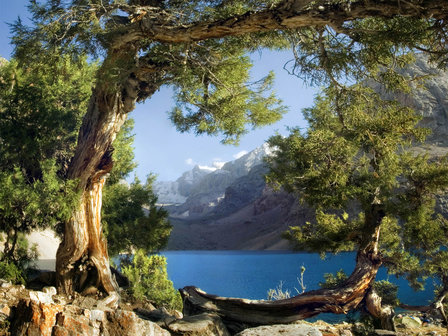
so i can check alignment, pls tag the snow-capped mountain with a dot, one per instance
(208, 184)
(233, 208)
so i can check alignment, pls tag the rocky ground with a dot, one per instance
(43, 312)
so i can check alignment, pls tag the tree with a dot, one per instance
(199, 47)
(359, 155)
(132, 219)
(40, 113)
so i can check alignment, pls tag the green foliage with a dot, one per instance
(387, 291)
(356, 158)
(10, 272)
(132, 219)
(333, 280)
(149, 280)
(123, 154)
(355, 151)
(216, 98)
(211, 77)
(40, 112)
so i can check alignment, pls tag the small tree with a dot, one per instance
(40, 113)
(132, 219)
(149, 280)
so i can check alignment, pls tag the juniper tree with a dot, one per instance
(40, 114)
(199, 48)
(356, 156)
(132, 220)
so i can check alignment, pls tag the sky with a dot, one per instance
(159, 148)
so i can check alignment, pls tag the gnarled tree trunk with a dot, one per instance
(238, 314)
(82, 259)
(383, 314)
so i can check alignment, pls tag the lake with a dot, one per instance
(250, 274)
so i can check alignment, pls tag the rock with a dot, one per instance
(178, 315)
(5, 310)
(37, 318)
(381, 332)
(199, 325)
(70, 323)
(154, 315)
(97, 315)
(41, 297)
(5, 284)
(411, 322)
(121, 322)
(345, 332)
(302, 329)
(50, 290)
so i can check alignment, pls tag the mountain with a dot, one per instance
(232, 208)
(204, 187)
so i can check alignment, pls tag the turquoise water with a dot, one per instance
(250, 274)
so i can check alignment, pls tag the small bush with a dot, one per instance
(149, 279)
(387, 291)
(10, 272)
(333, 280)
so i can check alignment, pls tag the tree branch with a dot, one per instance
(288, 15)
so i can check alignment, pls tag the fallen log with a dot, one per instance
(242, 313)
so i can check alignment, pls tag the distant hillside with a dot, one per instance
(232, 208)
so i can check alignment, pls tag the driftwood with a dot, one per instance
(241, 313)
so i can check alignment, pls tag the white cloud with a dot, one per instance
(240, 154)
(190, 162)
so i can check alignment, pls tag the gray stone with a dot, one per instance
(199, 325)
(283, 330)
(50, 290)
(97, 315)
(345, 332)
(41, 297)
(411, 321)
(381, 332)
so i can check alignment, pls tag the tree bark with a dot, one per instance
(82, 259)
(289, 14)
(383, 314)
(238, 314)
(438, 302)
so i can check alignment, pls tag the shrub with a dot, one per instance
(10, 272)
(149, 279)
(333, 280)
(387, 291)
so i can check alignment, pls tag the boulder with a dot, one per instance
(123, 322)
(43, 318)
(199, 325)
(411, 322)
(381, 332)
(283, 330)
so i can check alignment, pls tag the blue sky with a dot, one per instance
(159, 148)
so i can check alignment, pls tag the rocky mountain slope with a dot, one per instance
(232, 208)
